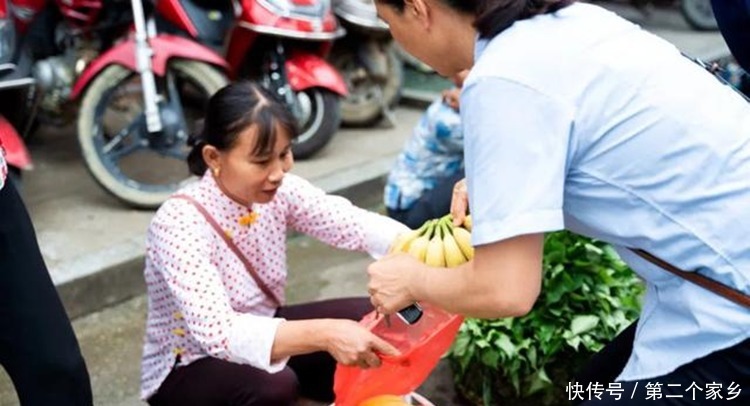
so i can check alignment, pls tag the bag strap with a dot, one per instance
(232, 246)
(717, 287)
(714, 69)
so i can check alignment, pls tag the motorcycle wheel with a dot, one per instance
(699, 14)
(364, 104)
(320, 119)
(118, 151)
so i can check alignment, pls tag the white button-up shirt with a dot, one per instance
(581, 120)
(203, 302)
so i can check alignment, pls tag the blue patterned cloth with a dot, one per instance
(434, 151)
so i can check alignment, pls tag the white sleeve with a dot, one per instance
(516, 148)
(180, 246)
(336, 221)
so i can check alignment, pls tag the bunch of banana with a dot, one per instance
(438, 242)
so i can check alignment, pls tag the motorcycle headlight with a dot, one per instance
(311, 9)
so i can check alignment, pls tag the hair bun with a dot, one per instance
(196, 139)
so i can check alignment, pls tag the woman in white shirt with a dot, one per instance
(575, 118)
(218, 329)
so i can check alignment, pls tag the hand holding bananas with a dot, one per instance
(436, 244)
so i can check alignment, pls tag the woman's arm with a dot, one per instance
(336, 221)
(503, 280)
(347, 341)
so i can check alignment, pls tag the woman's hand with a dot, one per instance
(391, 282)
(459, 202)
(452, 98)
(352, 344)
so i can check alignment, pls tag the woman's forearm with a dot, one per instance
(299, 337)
(503, 280)
(457, 290)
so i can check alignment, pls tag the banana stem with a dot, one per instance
(421, 230)
(426, 229)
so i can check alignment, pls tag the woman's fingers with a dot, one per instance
(371, 360)
(384, 347)
(379, 347)
(459, 202)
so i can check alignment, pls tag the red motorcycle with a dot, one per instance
(282, 44)
(140, 94)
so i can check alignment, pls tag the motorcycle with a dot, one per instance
(698, 13)
(15, 82)
(280, 43)
(131, 120)
(369, 62)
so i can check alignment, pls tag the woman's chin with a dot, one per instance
(265, 196)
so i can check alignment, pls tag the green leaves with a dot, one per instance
(582, 324)
(588, 296)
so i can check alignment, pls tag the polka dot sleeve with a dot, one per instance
(180, 247)
(336, 221)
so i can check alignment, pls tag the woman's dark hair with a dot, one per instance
(491, 17)
(231, 111)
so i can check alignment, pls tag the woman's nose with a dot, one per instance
(278, 171)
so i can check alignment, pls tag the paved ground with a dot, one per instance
(92, 243)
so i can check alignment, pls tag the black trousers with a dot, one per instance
(210, 381)
(434, 203)
(38, 348)
(687, 385)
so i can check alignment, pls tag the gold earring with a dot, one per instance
(217, 171)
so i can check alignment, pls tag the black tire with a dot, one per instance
(111, 175)
(363, 106)
(321, 123)
(699, 14)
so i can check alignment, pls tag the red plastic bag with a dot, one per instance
(421, 346)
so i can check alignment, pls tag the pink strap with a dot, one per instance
(232, 246)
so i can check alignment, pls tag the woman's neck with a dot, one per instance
(230, 195)
(462, 39)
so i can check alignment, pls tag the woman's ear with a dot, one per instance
(211, 157)
(419, 9)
